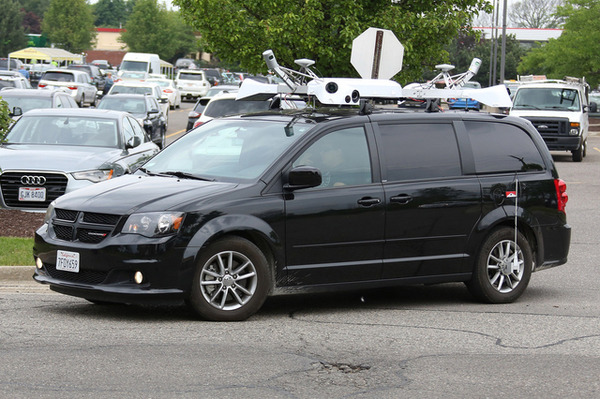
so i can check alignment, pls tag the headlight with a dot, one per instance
(153, 224)
(49, 212)
(94, 176)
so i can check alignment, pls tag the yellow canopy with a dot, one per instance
(45, 53)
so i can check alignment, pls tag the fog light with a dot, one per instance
(138, 277)
(38, 263)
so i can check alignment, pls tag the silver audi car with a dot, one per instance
(49, 152)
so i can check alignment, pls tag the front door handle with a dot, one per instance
(369, 201)
(401, 199)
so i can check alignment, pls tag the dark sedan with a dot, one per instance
(50, 152)
(144, 108)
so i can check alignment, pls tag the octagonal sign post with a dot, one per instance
(377, 54)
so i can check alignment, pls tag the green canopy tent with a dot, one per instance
(44, 54)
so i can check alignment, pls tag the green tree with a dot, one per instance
(69, 24)
(465, 47)
(111, 13)
(323, 30)
(576, 52)
(38, 7)
(152, 29)
(12, 36)
(5, 119)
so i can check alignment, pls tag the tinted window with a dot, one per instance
(498, 147)
(137, 129)
(419, 151)
(231, 106)
(191, 76)
(341, 156)
(58, 76)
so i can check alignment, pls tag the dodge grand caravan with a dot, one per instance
(250, 206)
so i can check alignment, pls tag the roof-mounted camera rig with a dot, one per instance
(350, 91)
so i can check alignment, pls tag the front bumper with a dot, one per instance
(562, 143)
(106, 271)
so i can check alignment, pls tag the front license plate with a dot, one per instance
(67, 261)
(32, 194)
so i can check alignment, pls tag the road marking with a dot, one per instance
(596, 148)
(176, 133)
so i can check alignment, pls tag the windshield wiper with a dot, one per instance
(526, 106)
(184, 175)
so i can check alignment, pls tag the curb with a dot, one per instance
(16, 273)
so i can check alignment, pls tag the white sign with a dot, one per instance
(377, 54)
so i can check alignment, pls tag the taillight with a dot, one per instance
(42, 85)
(72, 87)
(194, 114)
(197, 123)
(167, 91)
(561, 194)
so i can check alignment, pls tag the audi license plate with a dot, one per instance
(67, 261)
(32, 194)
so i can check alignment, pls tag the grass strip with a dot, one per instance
(16, 251)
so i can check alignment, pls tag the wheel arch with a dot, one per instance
(527, 225)
(251, 228)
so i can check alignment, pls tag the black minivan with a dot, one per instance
(246, 207)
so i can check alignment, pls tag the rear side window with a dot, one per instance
(419, 151)
(58, 76)
(499, 147)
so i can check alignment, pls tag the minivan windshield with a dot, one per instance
(135, 66)
(228, 149)
(554, 98)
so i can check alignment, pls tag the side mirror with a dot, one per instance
(164, 100)
(593, 107)
(133, 142)
(16, 111)
(303, 177)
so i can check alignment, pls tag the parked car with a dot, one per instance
(95, 73)
(192, 84)
(23, 100)
(15, 64)
(170, 90)
(102, 64)
(36, 71)
(131, 87)
(200, 105)
(132, 76)
(249, 206)
(144, 108)
(50, 152)
(78, 83)
(213, 75)
(595, 98)
(465, 103)
(16, 82)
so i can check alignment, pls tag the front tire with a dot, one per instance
(577, 154)
(231, 282)
(497, 278)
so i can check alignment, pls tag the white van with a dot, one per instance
(140, 62)
(559, 111)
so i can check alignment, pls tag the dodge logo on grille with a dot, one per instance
(33, 180)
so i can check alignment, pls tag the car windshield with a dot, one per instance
(218, 108)
(131, 105)
(64, 130)
(556, 98)
(139, 66)
(58, 76)
(7, 83)
(117, 89)
(191, 76)
(27, 103)
(229, 150)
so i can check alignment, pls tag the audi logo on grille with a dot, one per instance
(33, 180)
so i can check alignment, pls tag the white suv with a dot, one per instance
(192, 84)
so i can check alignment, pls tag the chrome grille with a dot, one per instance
(550, 126)
(56, 185)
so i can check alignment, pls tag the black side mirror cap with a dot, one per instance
(593, 107)
(303, 177)
(16, 111)
(134, 142)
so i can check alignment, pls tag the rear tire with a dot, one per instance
(231, 282)
(496, 278)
